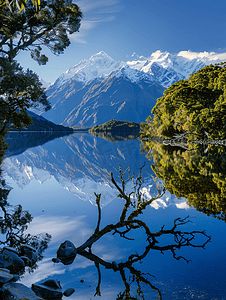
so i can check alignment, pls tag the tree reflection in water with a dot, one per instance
(196, 172)
(129, 220)
(14, 222)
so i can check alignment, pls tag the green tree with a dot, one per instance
(20, 4)
(19, 90)
(48, 24)
(31, 29)
(196, 105)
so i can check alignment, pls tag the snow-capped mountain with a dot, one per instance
(99, 89)
(124, 94)
(181, 65)
(99, 65)
(168, 68)
(165, 67)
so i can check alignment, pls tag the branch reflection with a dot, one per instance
(130, 220)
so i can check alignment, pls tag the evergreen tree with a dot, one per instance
(196, 105)
(31, 28)
(29, 25)
(19, 90)
(20, 4)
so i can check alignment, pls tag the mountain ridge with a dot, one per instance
(101, 64)
(100, 89)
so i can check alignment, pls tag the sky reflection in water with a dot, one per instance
(52, 192)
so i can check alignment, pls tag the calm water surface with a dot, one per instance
(56, 181)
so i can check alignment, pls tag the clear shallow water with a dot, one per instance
(56, 183)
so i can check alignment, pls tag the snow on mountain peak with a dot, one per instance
(102, 59)
(161, 66)
(160, 56)
(98, 65)
(138, 57)
(168, 68)
(133, 74)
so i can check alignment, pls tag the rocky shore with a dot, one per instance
(13, 263)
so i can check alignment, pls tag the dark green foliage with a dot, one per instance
(196, 105)
(31, 28)
(116, 126)
(115, 130)
(43, 125)
(36, 24)
(19, 90)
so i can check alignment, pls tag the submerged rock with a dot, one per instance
(56, 260)
(66, 252)
(18, 291)
(53, 283)
(50, 289)
(16, 277)
(10, 260)
(26, 260)
(29, 252)
(68, 292)
(10, 249)
(5, 276)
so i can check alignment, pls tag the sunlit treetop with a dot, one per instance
(196, 105)
(20, 5)
(47, 23)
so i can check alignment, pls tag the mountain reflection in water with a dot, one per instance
(70, 169)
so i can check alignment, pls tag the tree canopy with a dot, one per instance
(19, 90)
(196, 105)
(29, 25)
(20, 4)
(31, 28)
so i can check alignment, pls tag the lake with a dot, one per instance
(55, 180)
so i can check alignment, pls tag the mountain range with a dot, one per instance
(100, 89)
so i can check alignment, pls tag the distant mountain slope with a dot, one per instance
(114, 98)
(100, 89)
(42, 124)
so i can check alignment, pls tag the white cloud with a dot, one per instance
(210, 57)
(94, 13)
(60, 227)
(182, 205)
(45, 269)
(86, 26)
(90, 7)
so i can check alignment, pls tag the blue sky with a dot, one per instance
(122, 27)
